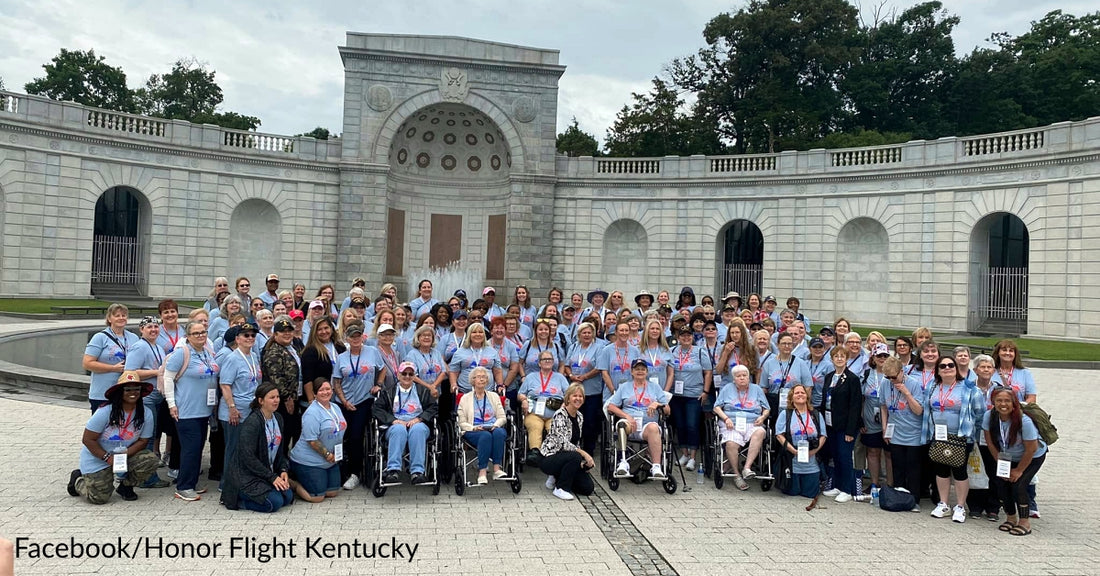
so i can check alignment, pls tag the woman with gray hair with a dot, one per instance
(230, 306)
(221, 286)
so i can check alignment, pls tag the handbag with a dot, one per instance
(895, 499)
(975, 471)
(951, 452)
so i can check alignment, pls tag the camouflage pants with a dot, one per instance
(98, 486)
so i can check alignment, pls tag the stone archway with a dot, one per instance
(625, 247)
(862, 288)
(741, 245)
(120, 242)
(999, 263)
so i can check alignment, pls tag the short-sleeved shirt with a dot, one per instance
(1028, 431)
(508, 354)
(946, 405)
(872, 387)
(466, 359)
(657, 361)
(616, 362)
(318, 423)
(357, 373)
(145, 355)
(529, 355)
(114, 439)
(1020, 380)
(583, 360)
(241, 372)
(688, 366)
(907, 425)
(635, 402)
(802, 428)
(191, 387)
(817, 371)
(775, 375)
(749, 403)
(108, 348)
(533, 388)
(406, 403)
(168, 339)
(428, 366)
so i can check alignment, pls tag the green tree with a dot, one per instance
(576, 142)
(84, 78)
(656, 125)
(768, 77)
(1, 82)
(319, 133)
(189, 92)
(901, 80)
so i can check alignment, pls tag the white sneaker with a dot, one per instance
(551, 483)
(352, 483)
(832, 492)
(690, 464)
(562, 494)
(623, 469)
(173, 473)
(656, 472)
(683, 459)
(843, 497)
(941, 510)
(482, 480)
(959, 515)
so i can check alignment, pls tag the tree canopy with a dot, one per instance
(577, 142)
(84, 78)
(657, 124)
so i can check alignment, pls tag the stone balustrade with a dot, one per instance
(627, 166)
(747, 163)
(258, 141)
(129, 123)
(865, 156)
(1006, 142)
(9, 103)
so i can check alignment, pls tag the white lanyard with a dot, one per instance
(253, 371)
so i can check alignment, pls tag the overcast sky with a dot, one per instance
(278, 60)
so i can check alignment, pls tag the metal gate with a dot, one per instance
(743, 278)
(118, 260)
(1002, 298)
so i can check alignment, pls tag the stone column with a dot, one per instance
(530, 233)
(361, 226)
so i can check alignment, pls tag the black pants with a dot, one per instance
(1014, 495)
(217, 451)
(907, 462)
(291, 422)
(565, 467)
(166, 425)
(358, 421)
(593, 421)
(985, 500)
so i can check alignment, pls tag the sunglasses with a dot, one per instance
(409, 374)
(946, 366)
(131, 388)
(244, 285)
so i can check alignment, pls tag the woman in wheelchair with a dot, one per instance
(743, 411)
(800, 431)
(541, 394)
(406, 409)
(636, 405)
(481, 418)
(565, 463)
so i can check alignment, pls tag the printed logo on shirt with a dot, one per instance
(115, 434)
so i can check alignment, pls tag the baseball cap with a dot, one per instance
(817, 342)
(272, 277)
(386, 328)
(487, 290)
(407, 366)
(316, 304)
(880, 348)
(769, 298)
(296, 314)
(284, 325)
(355, 328)
(638, 362)
(827, 330)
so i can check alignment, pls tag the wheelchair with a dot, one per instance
(464, 454)
(637, 455)
(762, 466)
(377, 453)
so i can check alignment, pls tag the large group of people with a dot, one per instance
(284, 389)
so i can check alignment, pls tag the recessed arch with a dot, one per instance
(625, 249)
(999, 266)
(740, 251)
(255, 241)
(121, 242)
(862, 288)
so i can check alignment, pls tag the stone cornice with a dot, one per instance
(364, 54)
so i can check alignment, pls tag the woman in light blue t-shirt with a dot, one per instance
(1012, 436)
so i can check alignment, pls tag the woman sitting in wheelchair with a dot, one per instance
(636, 405)
(406, 408)
(743, 411)
(481, 418)
(541, 394)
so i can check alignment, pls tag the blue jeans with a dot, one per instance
(686, 412)
(275, 499)
(191, 434)
(840, 451)
(804, 485)
(416, 438)
(316, 480)
(232, 434)
(490, 445)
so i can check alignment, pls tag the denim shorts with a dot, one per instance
(316, 480)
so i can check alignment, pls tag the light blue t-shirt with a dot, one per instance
(191, 387)
(775, 375)
(583, 360)
(616, 362)
(242, 374)
(817, 371)
(357, 373)
(168, 339)
(107, 347)
(872, 387)
(508, 354)
(947, 404)
(657, 361)
(144, 355)
(688, 366)
(907, 425)
(802, 428)
(529, 355)
(532, 389)
(635, 402)
(406, 404)
(113, 439)
(1028, 431)
(428, 366)
(466, 359)
(318, 423)
(1021, 381)
(274, 436)
(420, 307)
(750, 403)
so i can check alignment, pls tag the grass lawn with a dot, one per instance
(1035, 348)
(42, 305)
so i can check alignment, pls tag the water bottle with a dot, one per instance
(699, 474)
(874, 495)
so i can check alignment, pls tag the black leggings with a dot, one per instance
(593, 421)
(1014, 494)
(565, 467)
(907, 462)
(945, 471)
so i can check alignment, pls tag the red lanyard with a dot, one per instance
(804, 423)
(500, 352)
(743, 398)
(622, 359)
(946, 397)
(1006, 378)
(925, 378)
(684, 358)
(173, 339)
(639, 397)
(545, 382)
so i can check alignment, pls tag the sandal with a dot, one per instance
(1019, 531)
(740, 483)
(1006, 526)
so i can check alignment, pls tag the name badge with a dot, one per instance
(540, 406)
(941, 431)
(741, 424)
(653, 380)
(1004, 468)
(783, 397)
(638, 424)
(717, 380)
(981, 440)
(678, 386)
(889, 432)
(211, 396)
(338, 451)
(828, 417)
(120, 466)
(803, 451)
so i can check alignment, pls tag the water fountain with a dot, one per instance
(446, 280)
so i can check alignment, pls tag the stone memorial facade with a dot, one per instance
(448, 152)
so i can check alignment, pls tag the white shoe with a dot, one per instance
(173, 473)
(623, 469)
(748, 474)
(352, 483)
(959, 515)
(941, 510)
(656, 472)
(831, 492)
(690, 464)
(551, 483)
(482, 480)
(843, 497)
(683, 459)
(562, 494)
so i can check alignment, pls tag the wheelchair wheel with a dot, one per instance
(377, 489)
(670, 485)
(435, 488)
(613, 484)
(460, 485)
(765, 485)
(517, 485)
(718, 480)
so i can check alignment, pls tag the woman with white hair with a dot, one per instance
(221, 286)
(743, 411)
(473, 352)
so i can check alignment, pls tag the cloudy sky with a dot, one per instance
(278, 60)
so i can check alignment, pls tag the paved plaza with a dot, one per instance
(636, 530)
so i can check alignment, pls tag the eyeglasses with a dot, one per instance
(409, 374)
(221, 285)
(203, 333)
(546, 359)
(249, 335)
(942, 366)
(244, 286)
(710, 328)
